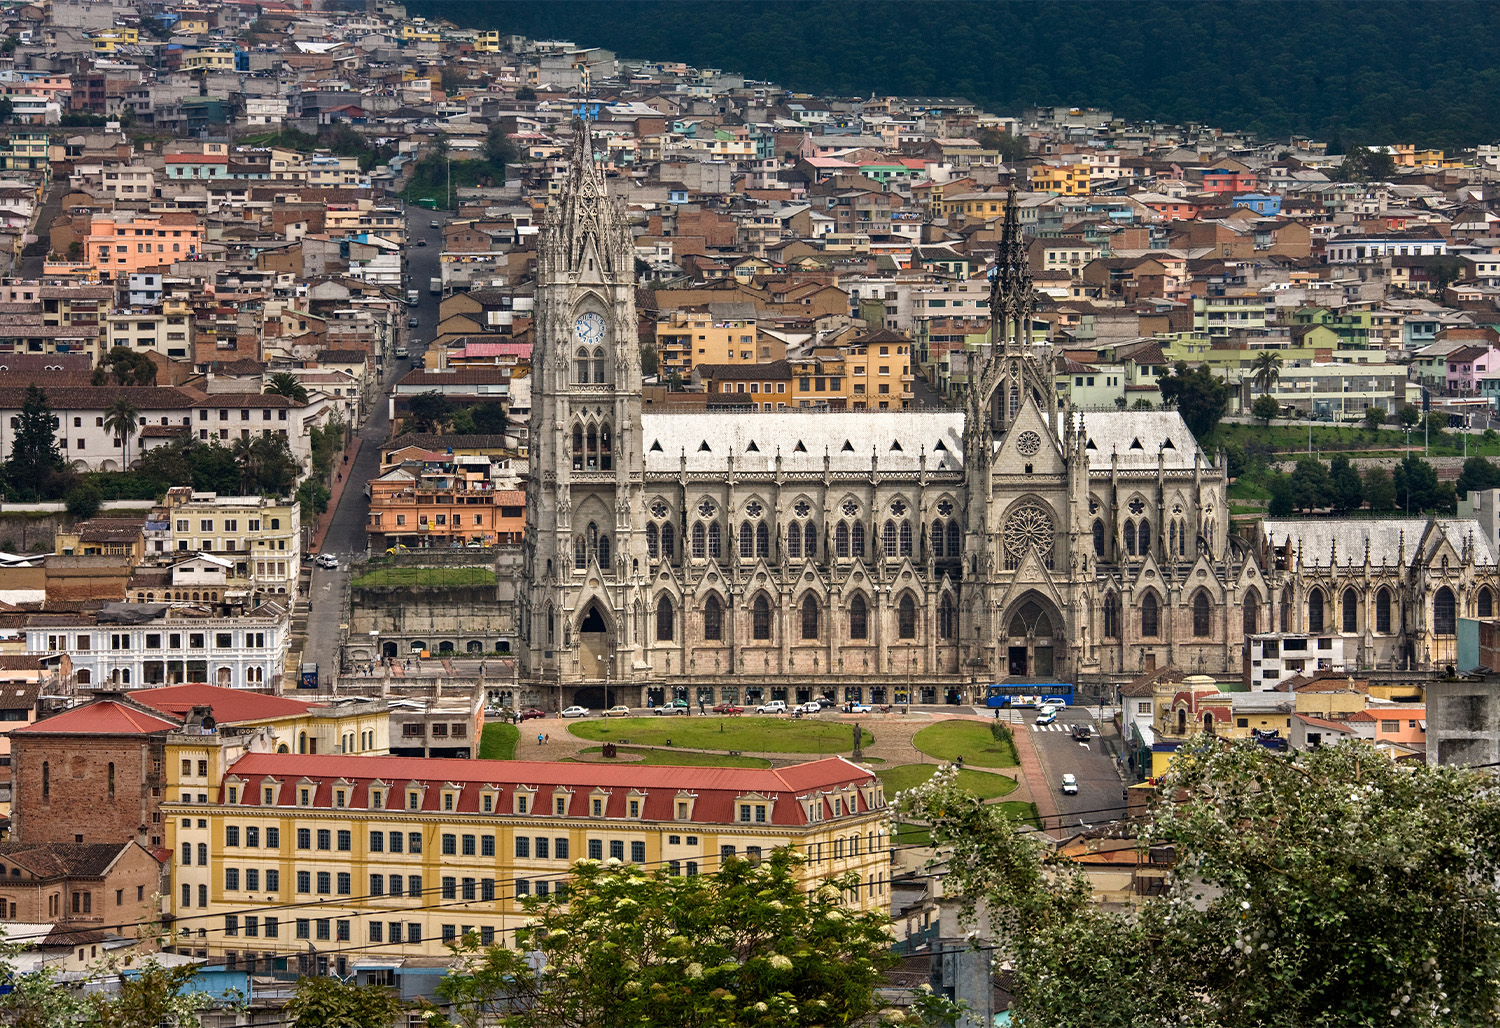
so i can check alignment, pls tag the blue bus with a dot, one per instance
(1029, 694)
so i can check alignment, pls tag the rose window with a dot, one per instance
(1029, 443)
(898, 508)
(754, 509)
(1028, 528)
(659, 509)
(850, 508)
(706, 509)
(1137, 506)
(944, 508)
(802, 509)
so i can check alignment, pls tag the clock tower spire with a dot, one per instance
(584, 552)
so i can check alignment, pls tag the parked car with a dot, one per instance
(1070, 785)
(773, 707)
(811, 707)
(857, 708)
(329, 561)
(727, 708)
(617, 711)
(575, 712)
(531, 712)
(672, 708)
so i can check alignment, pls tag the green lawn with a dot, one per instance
(752, 734)
(948, 740)
(682, 758)
(499, 741)
(1022, 811)
(983, 784)
(1291, 438)
(404, 578)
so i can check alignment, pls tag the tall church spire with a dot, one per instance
(1010, 284)
(587, 223)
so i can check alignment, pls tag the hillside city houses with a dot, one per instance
(649, 384)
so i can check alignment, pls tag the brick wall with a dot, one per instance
(76, 800)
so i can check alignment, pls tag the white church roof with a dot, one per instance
(1138, 436)
(897, 438)
(1316, 538)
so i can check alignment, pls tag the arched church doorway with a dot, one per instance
(593, 643)
(1031, 631)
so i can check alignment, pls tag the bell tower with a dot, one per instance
(584, 552)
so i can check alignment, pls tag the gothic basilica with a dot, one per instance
(895, 556)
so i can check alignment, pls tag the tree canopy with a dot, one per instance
(1418, 488)
(1329, 888)
(1200, 396)
(747, 946)
(34, 455)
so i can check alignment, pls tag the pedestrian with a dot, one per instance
(548, 737)
(539, 738)
(960, 761)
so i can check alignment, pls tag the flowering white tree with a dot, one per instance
(1312, 890)
(745, 946)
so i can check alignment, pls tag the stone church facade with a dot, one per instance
(879, 556)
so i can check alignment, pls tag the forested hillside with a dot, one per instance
(1368, 72)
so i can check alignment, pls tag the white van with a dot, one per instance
(774, 707)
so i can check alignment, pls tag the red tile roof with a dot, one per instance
(105, 717)
(228, 705)
(715, 789)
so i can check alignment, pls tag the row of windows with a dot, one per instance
(802, 540)
(810, 614)
(1444, 610)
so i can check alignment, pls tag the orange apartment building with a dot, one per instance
(121, 243)
(442, 502)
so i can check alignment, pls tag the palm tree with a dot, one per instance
(120, 419)
(284, 384)
(1267, 367)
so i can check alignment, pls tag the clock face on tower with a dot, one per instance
(589, 328)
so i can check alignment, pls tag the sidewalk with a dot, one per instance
(337, 494)
(1031, 774)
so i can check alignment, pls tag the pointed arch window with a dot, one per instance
(888, 538)
(1182, 533)
(664, 619)
(606, 449)
(947, 619)
(1250, 612)
(713, 620)
(580, 552)
(599, 365)
(937, 540)
(760, 618)
(1315, 611)
(810, 617)
(841, 540)
(1111, 616)
(955, 541)
(1143, 538)
(715, 541)
(700, 537)
(1383, 611)
(810, 540)
(762, 540)
(1349, 614)
(905, 538)
(794, 541)
(651, 542)
(747, 540)
(581, 366)
(668, 542)
(1484, 605)
(1202, 616)
(859, 618)
(857, 539)
(1150, 617)
(578, 454)
(604, 552)
(1444, 612)
(906, 618)
(1287, 600)
(1129, 537)
(1015, 404)
(1099, 539)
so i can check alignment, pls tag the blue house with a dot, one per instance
(1261, 203)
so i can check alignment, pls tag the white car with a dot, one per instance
(773, 707)
(575, 712)
(329, 561)
(811, 707)
(858, 708)
(618, 710)
(1070, 785)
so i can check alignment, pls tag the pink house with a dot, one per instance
(1468, 365)
(1225, 180)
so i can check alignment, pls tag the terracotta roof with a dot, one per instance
(715, 789)
(227, 705)
(1317, 722)
(1145, 685)
(104, 717)
(59, 859)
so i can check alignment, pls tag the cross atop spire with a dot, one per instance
(1010, 282)
(587, 224)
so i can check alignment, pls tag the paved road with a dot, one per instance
(347, 536)
(1100, 797)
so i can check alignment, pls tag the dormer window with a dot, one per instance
(487, 803)
(338, 797)
(304, 797)
(377, 799)
(268, 796)
(413, 800)
(560, 801)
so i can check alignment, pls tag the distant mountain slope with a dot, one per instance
(1374, 70)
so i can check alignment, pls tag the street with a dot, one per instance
(328, 599)
(1100, 796)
